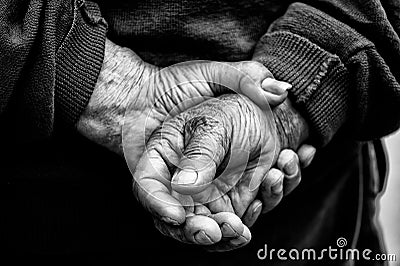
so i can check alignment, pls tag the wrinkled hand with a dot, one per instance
(281, 180)
(147, 97)
(132, 93)
(228, 137)
(172, 90)
(293, 131)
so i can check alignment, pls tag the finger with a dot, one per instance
(275, 87)
(252, 213)
(201, 156)
(231, 244)
(174, 231)
(306, 154)
(246, 182)
(272, 90)
(244, 78)
(275, 91)
(185, 200)
(288, 163)
(220, 201)
(237, 200)
(200, 209)
(202, 230)
(230, 224)
(273, 99)
(253, 80)
(152, 188)
(270, 94)
(271, 189)
(220, 197)
(198, 229)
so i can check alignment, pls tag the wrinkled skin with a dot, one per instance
(123, 99)
(173, 90)
(146, 114)
(204, 139)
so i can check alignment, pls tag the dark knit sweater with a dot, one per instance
(341, 56)
(51, 53)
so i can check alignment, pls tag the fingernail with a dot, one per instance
(268, 81)
(169, 220)
(275, 86)
(228, 231)
(238, 241)
(277, 188)
(310, 157)
(185, 177)
(291, 167)
(202, 238)
(257, 209)
(284, 85)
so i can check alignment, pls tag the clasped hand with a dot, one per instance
(206, 158)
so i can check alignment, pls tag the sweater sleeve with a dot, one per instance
(51, 54)
(342, 59)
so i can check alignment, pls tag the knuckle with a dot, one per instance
(275, 173)
(293, 180)
(202, 124)
(288, 153)
(274, 176)
(271, 203)
(206, 128)
(285, 157)
(259, 68)
(254, 65)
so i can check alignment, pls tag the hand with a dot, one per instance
(280, 181)
(122, 85)
(230, 136)
(140, 96)
(286, 176)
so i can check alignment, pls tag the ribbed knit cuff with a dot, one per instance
(78, 62)
(318, 77)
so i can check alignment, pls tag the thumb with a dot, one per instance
(253, 80)
(258, 83)
(201, 157)
(275, 91)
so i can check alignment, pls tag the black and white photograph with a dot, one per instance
(200, 132)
